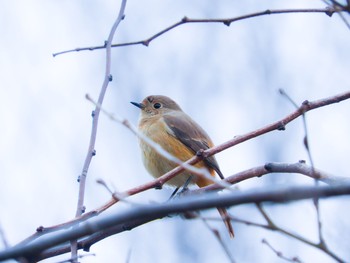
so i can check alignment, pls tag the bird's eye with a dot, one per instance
(157, 105)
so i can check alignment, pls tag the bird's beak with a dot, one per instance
(139, 105)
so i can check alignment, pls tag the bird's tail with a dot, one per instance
(225, 217)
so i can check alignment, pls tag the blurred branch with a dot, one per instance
(226, 21)
(31, 250)
(220, 240)
(95, 117)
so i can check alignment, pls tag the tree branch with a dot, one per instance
(95, 117)
(226, 21)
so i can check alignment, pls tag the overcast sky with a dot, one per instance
(226, 78)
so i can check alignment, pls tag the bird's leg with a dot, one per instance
(185, 186)
(174, 193)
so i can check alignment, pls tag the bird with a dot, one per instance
(163, 121)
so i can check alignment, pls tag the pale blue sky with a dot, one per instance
(226, 78)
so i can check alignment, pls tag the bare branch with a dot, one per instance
(3, 238)
(226, 21)
(91, 149)
(220, 240)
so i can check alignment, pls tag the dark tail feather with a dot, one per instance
(227, 221)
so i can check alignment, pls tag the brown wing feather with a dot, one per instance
(192, 136)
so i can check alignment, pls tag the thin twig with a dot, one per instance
(116, 195)
(308, 150)
(91, 149)
(220, 240)
(280, 254)
(3, 238)
(226, 21)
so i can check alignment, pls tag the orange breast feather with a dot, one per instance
(158, 165)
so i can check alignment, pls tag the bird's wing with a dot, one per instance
(192, 136)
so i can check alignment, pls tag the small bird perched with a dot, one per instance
(163, 121)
